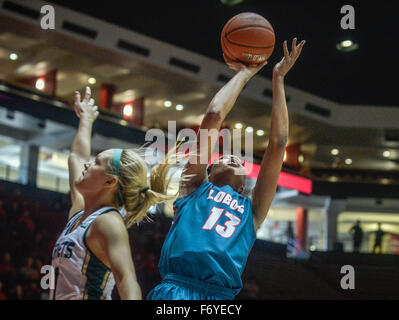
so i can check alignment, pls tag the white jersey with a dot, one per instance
(79, 274)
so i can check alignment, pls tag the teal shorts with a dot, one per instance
(177, 287)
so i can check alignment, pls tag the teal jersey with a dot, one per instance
(211, 236)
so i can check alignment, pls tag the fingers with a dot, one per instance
(260, 66)
(81, 106)
(77, 97)
(286, 54)
(227, 60)
(293, 46)
(295, 49)
(87, 95)
(76, 104)
(77, 110)
(299, 50)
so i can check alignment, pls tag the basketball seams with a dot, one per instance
(246, 46)
(230, 22)
(228, 51)
(226, 27)
(249, 26)
(229, 47)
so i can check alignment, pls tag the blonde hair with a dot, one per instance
(138, 192)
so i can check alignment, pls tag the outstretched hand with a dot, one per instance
(86, 108)
(289, 59)
(251, 70)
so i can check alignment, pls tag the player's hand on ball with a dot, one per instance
(86, 108)
(289, 59)
(250, 70)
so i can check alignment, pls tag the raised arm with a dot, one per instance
(217, 111)
(81, 146)
(108, 239)
(266, 184)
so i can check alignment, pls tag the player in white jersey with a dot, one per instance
(92, 254)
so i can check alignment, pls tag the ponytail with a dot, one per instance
(140, 193)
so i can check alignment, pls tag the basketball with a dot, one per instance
(248, 37)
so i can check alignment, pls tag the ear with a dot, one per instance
(110, 182)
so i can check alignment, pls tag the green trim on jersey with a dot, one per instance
(74, 215)
(97, 275)
(72, 225)
(96, 272)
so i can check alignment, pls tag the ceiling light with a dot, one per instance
(301, 158)
(128, 110)
(167, 104)
(179, 107)
(40, 84)
(92, 80)
(348, 161)
(231, 2)
(249, 129)
(334, 152)
(386, 154)
(260, 133)
(333, 179)
(13, 56)
(347, 45)
(238, 125)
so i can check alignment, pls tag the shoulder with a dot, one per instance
(109, 225)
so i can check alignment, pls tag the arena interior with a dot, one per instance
(158, 63)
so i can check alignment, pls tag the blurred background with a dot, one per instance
(338, 198)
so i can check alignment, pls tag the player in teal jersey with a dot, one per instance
(214, 227)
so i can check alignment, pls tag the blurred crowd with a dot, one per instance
(32, 219)
(30, 223)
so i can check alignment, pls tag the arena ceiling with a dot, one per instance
(361, 77)
(366, 76)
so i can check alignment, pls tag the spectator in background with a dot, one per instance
(26, 221)
(378, 239)
(17, 293)
(39, 245)
(14, 211)
(17, 195)
(29, 271)
(3, 215)
(291, 241)
(2, 294)
(6, 266)
(3, 227)
(32, 292)
(290, 232)
(38, 264)
(357, 233)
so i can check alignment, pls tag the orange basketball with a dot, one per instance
(248, 37)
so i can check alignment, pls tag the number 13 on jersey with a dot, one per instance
(228, 228)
